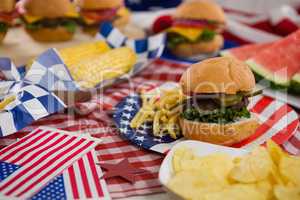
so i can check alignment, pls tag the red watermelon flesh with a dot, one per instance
(280, 61)
(245, 52)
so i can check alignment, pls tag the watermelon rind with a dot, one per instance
(262, 71)
(295, 84)
(226, 53)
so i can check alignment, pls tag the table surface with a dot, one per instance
(21, 52)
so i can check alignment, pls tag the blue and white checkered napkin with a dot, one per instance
(34, 97)
(34, 90)
(145, 48)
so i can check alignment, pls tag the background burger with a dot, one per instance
(93, 12)
(216, 111)
(50, 20)
(196, 29)
(7, 16)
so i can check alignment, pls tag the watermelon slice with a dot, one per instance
(280, 62)
(295, 84)
(245, 52)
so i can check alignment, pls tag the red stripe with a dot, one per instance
(275, 117)
(295, 142)
(43, 149)
(285, 134)
(22, 155)
(261, 105)
(95, 174)
(129, 154)
(74, 186)
(24, 139)
(55, 167)
(112, 145)
(29, 144)
(29, 168)
(84, 178)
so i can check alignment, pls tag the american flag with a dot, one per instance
(45, 154)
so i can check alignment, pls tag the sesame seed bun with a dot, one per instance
(218, 75)
(186, 50)
(58, 34)
(99, 4)
(2, 36)
(47, 8)
(7, 5)
(200, 10)
(222, 134)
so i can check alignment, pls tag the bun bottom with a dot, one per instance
(186, 50)
(226, 135)
(2, 36)
(59, 34)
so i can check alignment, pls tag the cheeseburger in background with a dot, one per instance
(196, 29)
(50, 20)
(7, 16)
(93, 12)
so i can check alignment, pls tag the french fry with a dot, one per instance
(156, 124)
(162, 108)
(6, 101)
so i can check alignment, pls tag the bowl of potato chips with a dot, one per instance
(202, 171)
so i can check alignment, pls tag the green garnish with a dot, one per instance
(225, 115)
(67, 23)
(3, 27)
(207, 35)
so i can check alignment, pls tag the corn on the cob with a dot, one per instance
(112, 64)
(73, 55)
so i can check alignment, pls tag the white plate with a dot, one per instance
(200, 149)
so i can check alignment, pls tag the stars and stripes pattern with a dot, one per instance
(97, 122)
(47, 153)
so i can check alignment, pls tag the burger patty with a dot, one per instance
(175, 39)
(3, 27)
(69, 24)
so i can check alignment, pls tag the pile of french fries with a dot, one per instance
(162, 108)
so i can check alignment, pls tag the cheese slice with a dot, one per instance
(190, 33)
(70, 14)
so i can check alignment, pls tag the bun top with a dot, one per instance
(7, 5)
(99, 4)
(218, 75)
(48, 8)
(200, 10)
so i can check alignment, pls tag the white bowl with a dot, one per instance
(200, 149)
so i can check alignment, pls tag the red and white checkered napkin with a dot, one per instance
(114, 148)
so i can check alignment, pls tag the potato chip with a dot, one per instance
(265, 187)
(275, 151)
(287, 193)
(236, 192)
(193, 184)
(177, 158)
(289, 167)
(252, 167)
(264, 174)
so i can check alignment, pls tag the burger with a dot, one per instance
(196, 29)
(50, 20)
(7, 16)
(216, 110)
(94, 12)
